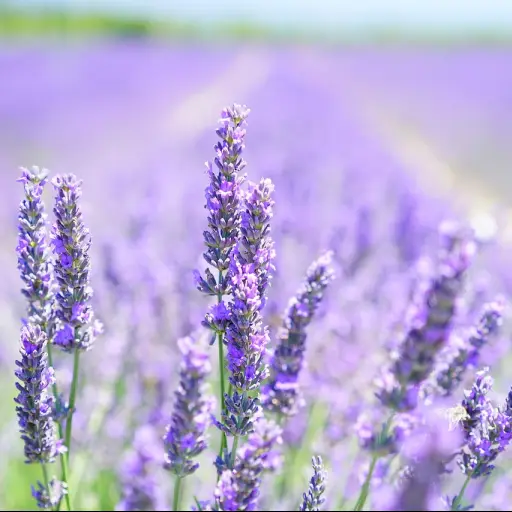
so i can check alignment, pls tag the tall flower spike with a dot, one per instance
(33, 250)
(465, 352)
(71, 242)
(238, 489)
(429, 319)
(34, 407)
(282, 393)
(313, 498)
(246, 335)
(186, 434)
(223, 200)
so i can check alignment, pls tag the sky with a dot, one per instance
(459, 15)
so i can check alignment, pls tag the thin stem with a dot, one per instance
(365, 489)
(177, 494)
(72, 400)
(458, 499)
(46, 480)
(233, 452)
(63, 456)
(223, 442)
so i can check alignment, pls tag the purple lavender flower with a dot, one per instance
(313, 498)
(487, 429)
(33, 252)
(281, 394)
(35, 404)
(140, 488)
(238, 488)
(49, 498)
(71, 243)
(464, 353)
(223, 200)
(428, 322)
(246, 335)
(186, 434)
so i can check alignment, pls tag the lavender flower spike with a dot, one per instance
(313, 498)
(186, 434)
(457, 359)
(49, 498)
(34, 407)
(71, 242)
(428, 325)
(223, 199)
(281, 394)
(246, 336)
(33, 251)
(238, 489)
(487, 429)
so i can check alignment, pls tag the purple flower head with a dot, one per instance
(34, 256)
(71, 242)
(313, 498)
(487, 429)
(185, 438)
(463, 353)
(140, 486)
(238, 489)
(34, 401)
(223, 198)
(281, 393)
(428, 320)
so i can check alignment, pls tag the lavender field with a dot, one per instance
(387, 222)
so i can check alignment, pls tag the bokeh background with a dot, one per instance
(375, 119)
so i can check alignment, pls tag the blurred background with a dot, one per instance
(374, 118)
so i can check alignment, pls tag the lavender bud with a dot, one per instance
(313, 498)
(429, 321)
(186, 434)
(281, 393)
(71, 243)
(34, 257)
(35, 404)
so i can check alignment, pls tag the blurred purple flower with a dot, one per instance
(281, 394)
(185, 438)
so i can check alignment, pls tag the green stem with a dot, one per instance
(46, 480)
(233, 452)
(72, 401)
(223, 441)
(365, 489)
(177, 494)
(457, 501)
(63, 456)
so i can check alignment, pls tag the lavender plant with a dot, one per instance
(313, 498)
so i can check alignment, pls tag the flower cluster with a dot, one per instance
(35, 404)
(281, 394)
(186, 433)
(463, 353)
(428, 322)
(487, 429)
(34, 256)
(71, 242)
(223, 200)
(238, 488)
